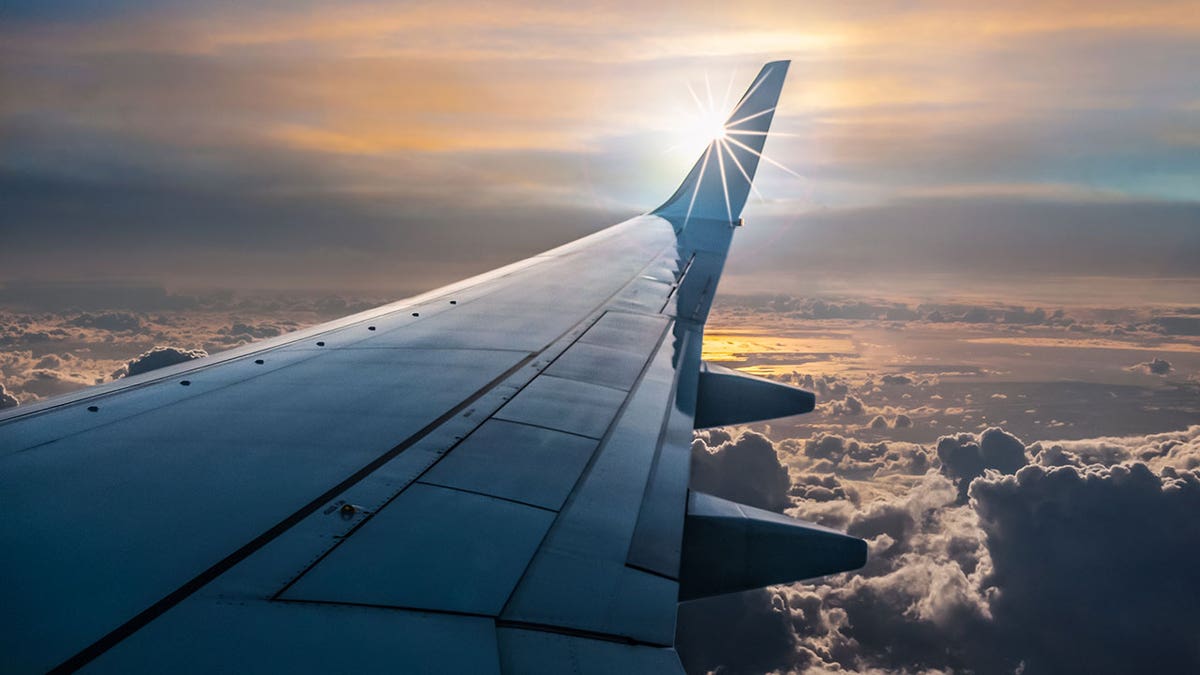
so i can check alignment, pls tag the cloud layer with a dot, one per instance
(364, 145)
(1067, 557)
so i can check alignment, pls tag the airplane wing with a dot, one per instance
(490, 477)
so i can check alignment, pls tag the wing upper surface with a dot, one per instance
(465, 481)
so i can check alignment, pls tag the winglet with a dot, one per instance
(717, 186)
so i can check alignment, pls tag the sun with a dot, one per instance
(706, 124)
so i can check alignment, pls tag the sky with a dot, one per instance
(977, 243)
(396, 147)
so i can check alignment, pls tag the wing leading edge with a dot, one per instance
(313, 503)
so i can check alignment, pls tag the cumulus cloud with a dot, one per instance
(880, 422)
(7, 400)
(1176, 449)
(113, 321)
(859, 459)
(1179, 324)
(965, 457)
(43, 382)
(745, 469)
(821, 488)
(1095, 566)
(240, 329)
(159, 357)
(1075, 567)
(851, 406)
(826, 386)
(1155, 366)
(910, 610)
(752, 625)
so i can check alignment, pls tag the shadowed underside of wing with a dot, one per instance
(491, 477)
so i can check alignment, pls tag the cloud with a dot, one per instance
(239, 329)
(159, 357)
(1176, 449)
(1155, 366)
(965, 457)
(345, 132)
(745, 469)
(912, 609)
(859, 459)
(1093, 566)
(751, 625)
(7, 400)
(821, 488)
(43, 382)
(1179, 324)
(111, 321)
(1048, 569)
(851, 406)
(969, 238)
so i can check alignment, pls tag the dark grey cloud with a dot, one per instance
(750, 625)
(821, 488)
(91, 295)
(972, 237)
(7, 400)
(965, 457)
(207, 209)
(240, 330)
(1180, 324)
(160, 357)
(858, 309)
(744, 469)
(111, 321)
(1155, 366)
(1094, 566)
(43, 382)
